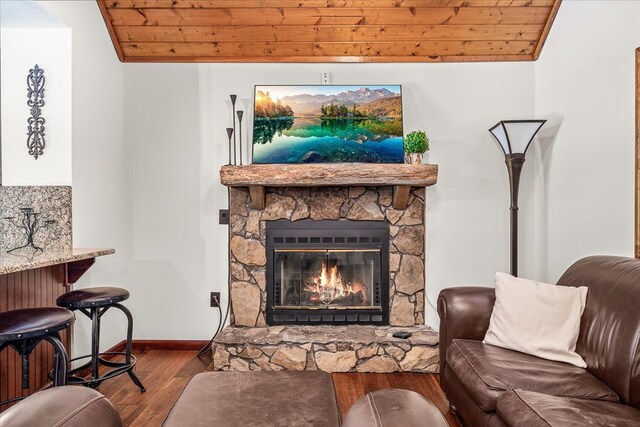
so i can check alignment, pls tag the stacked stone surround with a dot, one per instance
(278, 348)
(248, 237)
(326, 348)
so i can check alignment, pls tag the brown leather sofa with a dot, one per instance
(492, 386)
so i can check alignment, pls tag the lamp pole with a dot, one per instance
(514, 164)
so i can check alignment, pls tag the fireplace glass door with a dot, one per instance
(328, 279)
(327, 272)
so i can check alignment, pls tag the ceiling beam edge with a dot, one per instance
(547, 28)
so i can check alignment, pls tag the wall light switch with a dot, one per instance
(223, 216)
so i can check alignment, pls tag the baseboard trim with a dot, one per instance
(167, 344)
(139, 345)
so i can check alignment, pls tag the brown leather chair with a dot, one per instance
(67, 406)
(492, 386)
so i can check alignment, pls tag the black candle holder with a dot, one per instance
(233, 114)
(230, 134)
(240, 113)
(29, 224)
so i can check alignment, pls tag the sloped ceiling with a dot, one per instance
(328, 30)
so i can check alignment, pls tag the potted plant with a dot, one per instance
(416, 144)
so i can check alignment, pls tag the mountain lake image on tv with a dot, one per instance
(328, 124)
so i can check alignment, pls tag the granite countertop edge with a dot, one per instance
(15, 263)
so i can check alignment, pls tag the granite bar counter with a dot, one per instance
(14, 263)
(36, 281)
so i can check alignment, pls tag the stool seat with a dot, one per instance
(33, 322)
(92, 297)
(24, 329)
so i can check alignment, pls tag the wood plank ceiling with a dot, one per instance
(328, 30)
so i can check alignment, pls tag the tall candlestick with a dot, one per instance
(240, 113)
(229, 134)
(233, 106)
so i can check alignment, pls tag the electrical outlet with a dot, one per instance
(215, 299)
(325, 78)
(223, 216)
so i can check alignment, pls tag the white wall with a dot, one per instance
(175, 116)
(101, 165)
(585, 175)
(179, 250)
(22, 47)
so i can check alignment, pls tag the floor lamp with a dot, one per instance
(514, 137)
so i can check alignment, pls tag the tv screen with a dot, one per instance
(328, 124)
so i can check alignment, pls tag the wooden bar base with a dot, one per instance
(26, 289)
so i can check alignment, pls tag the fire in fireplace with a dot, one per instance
(333, 272)
(328, 288)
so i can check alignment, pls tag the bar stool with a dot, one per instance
(23, 329)
(94, 302)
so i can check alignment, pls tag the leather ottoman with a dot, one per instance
(257, 399)
(394, 407)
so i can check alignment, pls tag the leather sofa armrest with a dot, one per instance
(464, 314)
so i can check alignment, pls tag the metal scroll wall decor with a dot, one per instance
(35, 100)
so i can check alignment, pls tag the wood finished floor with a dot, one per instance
(166, 372)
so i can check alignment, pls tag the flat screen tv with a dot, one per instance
(328, 124)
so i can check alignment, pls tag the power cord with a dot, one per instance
(207, 346)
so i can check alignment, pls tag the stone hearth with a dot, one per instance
(326, 348)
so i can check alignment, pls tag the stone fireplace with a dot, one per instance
(305, 256)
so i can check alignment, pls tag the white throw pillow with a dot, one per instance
(537, 318)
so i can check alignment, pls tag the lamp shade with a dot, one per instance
(514, 136)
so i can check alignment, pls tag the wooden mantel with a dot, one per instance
(401, 176)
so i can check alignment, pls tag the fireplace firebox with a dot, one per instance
(327, 272)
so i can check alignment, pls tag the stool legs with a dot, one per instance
(26, 346)
(95, 314)
(128, 349)
(61, 365)
(61, 360)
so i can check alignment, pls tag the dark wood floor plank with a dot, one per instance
(156, 380)
(128, 413)
(348, 390)
(165, 373)
(373, 382)
(156, 411)
(194, 366)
